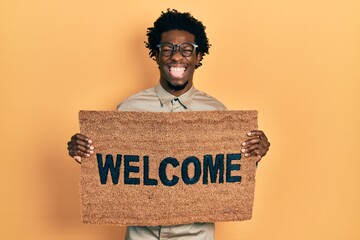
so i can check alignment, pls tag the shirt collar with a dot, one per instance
(165, 97)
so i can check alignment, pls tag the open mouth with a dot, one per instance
(177, 72)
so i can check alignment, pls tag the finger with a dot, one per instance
(254, 152)
(259, 152)
(80, 146)
(79, 153)
(79, 136)
(82, 143)
(82, 149)
(251, 148)
(263, 143)
(255, 133)
(251, 141)
(258, 159)
(77, 159)
(73, 152)
(258, 133)
(256, 149)
(81, 139)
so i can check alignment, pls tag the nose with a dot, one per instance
(176, 55)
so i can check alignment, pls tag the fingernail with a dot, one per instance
(247, 154)
(92, 147)
(249, 133)
(89, 141)
(244, 143)
(91, 152)
(243, 150)
(87, 155)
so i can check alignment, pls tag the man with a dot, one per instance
(177, 43)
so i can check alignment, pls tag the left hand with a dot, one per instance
(256, 145)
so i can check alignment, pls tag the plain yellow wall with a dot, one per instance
(297, 62)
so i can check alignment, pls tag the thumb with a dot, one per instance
(78, 159)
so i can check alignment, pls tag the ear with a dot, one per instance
(198, 59)
(156, 58)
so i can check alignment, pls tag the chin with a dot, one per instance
(177, 87)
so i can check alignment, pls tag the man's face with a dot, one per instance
(176, 71)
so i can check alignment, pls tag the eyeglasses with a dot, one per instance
(167, 49)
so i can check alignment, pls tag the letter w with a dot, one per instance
(109, 163)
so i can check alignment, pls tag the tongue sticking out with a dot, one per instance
(177, 71)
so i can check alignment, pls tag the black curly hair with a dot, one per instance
(174, 20)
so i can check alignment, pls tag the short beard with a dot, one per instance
(177, 87)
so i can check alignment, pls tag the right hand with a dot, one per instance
(80, 146)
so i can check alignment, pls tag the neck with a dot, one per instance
(176, 90)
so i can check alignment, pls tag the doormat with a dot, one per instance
(152, 169)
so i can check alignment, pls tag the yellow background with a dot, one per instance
(296, 62)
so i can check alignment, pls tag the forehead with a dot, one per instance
(177, 36)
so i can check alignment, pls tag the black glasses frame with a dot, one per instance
(175, 47)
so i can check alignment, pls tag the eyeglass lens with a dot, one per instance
(167, 49)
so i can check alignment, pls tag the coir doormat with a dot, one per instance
(153, 169)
